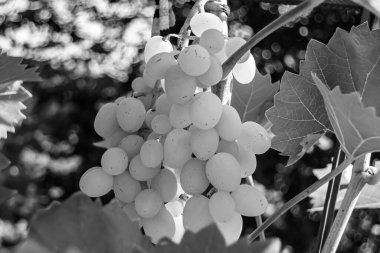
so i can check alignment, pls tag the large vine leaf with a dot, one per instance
(253, 99)
(356, 127)
(298, 114)
(12, 70)
(351, 61)
(210, 239)
(84, 225)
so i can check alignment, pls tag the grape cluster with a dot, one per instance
(163, 178)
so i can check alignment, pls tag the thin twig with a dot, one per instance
(300, 197)
(298, 11)
(355, 186)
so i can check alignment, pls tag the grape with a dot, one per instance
(114, 161)
(165, 183)
(179, 229)
(212, 40)
(247, 162)
(230, 147)
(138, 85)
(148, 203)
(130, 210)
(179, 115)
(160, 226)
(245, 72)
(223, 171)
(179, 87)
(221, 206)
(196, 214)
(193, 177)
(249, 201)
(95, 182)
(161, 124)
(151, 153)
(213, 75)
(131, 144)
(194, 60)
(233, 44)
(204, 143)
(105, 123)
(163, 104)
(156, 45)
(140, 172)
(175, 208)
(221, 55)
(118, 100)
(148, 80)
(229, 126)
(177, 150)
(159, 64)
(254, 138)
(125, 187)
(204, 21)
(130, 114)
(205, 110)
(112, 141)
(231, 229)
(150, 114)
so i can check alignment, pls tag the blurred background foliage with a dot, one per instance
(89, 51)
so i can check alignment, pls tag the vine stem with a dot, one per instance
(184, 31)
(289, 16)
(300, 197)
(355, 186)
(258, 219)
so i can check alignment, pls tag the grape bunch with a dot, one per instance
(161, 162)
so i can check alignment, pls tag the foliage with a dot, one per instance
(345, 66)
(252, 99)
(86, 226)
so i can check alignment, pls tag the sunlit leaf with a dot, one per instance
(356, 127)
(79, 223)
(298, 114)
(251, 100)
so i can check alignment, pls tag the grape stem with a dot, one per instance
(288, 205)
(184, 33)
(258, 219)
(304, 7)
(355, 186)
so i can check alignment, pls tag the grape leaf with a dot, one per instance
(210, 239)
(298, 114)
(12, 70)
(350, 61)
(251, 100)
(356, 127)
(83, 225)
